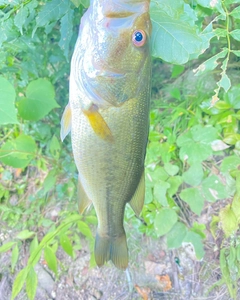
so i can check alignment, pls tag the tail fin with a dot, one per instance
(111, 248)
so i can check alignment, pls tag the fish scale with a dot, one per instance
(108, 116)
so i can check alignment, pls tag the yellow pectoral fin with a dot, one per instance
(137, 200)
(66, 122)
(99, 125)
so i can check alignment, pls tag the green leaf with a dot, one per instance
(159, 192)
(213, 189)
(235, 34)
(228, 220)
(193, 175)
(34, 244)
(20, 17)
(50, 12)
(7, 246)
(196, 241)
(238, 253)
(193, 197)
(19, 282)
(180, 40)
(51, 259)
(8, 112)
(174, 182)
(177, 70)
(49, 181)
(25, 234)
(236, 206)
(233, 97)
(55, 147)
(224, 82)
(84, 229)
(171, 169)
(39, 100)
(211, 63)
(230, 163)
(212, 4)
(176, 235)
(174, 8)
(14, 258)
(214, 225)
(231, 259)
(164, 221)
(19, 152)
(66, 30)
(196, 143)
(31, 283)
(235, 13)
(66, 244)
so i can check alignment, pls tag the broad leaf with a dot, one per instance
(228, 220)
(164, 221)
(193, 197)
(39, 100)
(19, 152)
(8, 112)
(176, 236)
(196, 241)
(173, 40)
(213, 189)
(193, 175)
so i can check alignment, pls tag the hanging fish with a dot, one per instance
(108, 116)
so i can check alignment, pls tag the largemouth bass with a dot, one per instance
(108, 115)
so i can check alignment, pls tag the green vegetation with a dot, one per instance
(193, 156)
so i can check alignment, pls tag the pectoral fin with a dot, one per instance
(83, 200)
(66, 122)
(137, 200)
(98, 124)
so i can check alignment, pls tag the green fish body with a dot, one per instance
(108, 115)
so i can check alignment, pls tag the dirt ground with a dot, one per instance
(154, 273)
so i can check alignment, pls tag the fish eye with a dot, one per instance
(139, 38)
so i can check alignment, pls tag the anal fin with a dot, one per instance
(66, 122)
(137, 200)
(83, 201)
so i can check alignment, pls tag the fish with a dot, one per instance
(108, 117)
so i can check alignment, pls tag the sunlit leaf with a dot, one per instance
(19, 152)
(176, 235)
(228, 220)
(173, 40)
(39, 100)
(196, 241)
(14, 258)
(19, 282)
(31, 284)
(194, 198)
(51, 259)
(66, 244)
(164, 221)
(8, 112)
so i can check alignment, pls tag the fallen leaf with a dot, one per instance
(143, 292)
(165, 281)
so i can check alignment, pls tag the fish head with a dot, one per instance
(116, 61)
